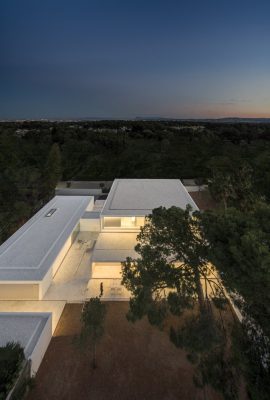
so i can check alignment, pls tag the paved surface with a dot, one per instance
(70, 281)
(112, 289)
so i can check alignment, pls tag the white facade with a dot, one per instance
(30, 258)
(68, 251)
(123, 214)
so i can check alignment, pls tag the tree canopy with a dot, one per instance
(167, 278)
(240, 249)
(172, 256)
(93, 316)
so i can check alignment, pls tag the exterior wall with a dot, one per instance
(122, 223)
(90, 225)
(61, 255)
(75, 233)
(106, 270)
(77, 192)
(45, 284)
(19, 291)
(41, 346)
(90, 205)
(47, 280)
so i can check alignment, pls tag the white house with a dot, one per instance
(123, 213)
(31, 256)
(51, 259)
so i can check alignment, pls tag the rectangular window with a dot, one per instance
(123, 222)
(112, 222)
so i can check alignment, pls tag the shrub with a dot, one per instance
(11, 358)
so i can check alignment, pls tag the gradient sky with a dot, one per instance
(122, 59)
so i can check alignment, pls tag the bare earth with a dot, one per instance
(135, 361)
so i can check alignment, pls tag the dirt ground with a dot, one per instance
(204, 200)
(135, 362)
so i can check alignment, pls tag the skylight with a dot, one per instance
(51, 212)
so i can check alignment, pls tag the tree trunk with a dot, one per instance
(199, 290)
(94, 356)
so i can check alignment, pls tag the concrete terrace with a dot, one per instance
(71, 280)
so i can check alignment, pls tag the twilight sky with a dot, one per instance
(122, 59)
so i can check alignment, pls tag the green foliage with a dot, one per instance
(11, 359)
(240, 249)
(215, 370)
(93, 316)
(232, 185)
(103, 150)
(219, 302)
(53, 169)
(199, 334)
(179, 301)
(138, 305)
(157, 312)
(172, 256)
(251, 351)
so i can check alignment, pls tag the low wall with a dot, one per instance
(41, 346)
(77, 192)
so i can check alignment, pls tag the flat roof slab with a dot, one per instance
(29, 253)
(24, 328)
(141, 196)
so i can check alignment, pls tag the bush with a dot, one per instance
(157, 312)
(11, 359)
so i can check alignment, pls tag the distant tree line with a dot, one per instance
(34, 155)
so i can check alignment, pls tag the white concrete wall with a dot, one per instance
(45, 284)
(77, 192)
(41, 346)
(106, 270)
(47, 280)
(91, 204)
(61, 255)
(19, 291)
(90, 225)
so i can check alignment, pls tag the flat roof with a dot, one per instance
(141, 196)
(30, 252)
(24, 328)
(115, 247)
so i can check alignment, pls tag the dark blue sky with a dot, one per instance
(83, 58)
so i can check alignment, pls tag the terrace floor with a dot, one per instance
(112, 289)
(71, 280)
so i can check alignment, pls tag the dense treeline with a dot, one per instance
(34, 155)
(234, 159)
